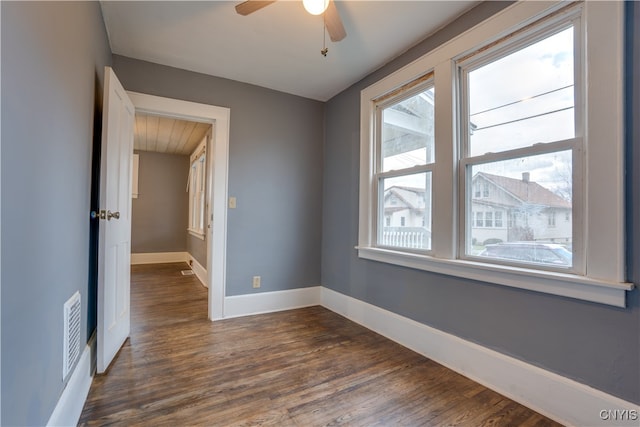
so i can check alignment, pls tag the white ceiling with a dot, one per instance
(277, 47)
(167, 135)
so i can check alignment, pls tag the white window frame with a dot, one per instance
(570, 16)
(488, 219)
(495, 219)
(422, 84)
(551, 218)
(601, 278)
(197, 190)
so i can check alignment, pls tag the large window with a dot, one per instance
(526, 130)
(518, 107)
(197, 187)
(404, 170)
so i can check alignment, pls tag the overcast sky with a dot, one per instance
(531, 82)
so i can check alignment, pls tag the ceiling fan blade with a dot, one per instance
(251, 6)
(333, 23)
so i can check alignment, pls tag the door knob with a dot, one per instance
(110, 215)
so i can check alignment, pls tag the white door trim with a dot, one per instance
(219, 118)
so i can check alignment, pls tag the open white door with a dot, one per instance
(114, 251)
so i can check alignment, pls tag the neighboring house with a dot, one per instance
(508, 210)
(404, 207)
(502, 210)
(406, 221)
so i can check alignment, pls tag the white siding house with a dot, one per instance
(407, 217)
(506, 210)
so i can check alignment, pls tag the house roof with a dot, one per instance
(527, 191)
(411, 196)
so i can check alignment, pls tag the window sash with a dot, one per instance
(196, 195)
(197, 191)
(530, 35)
(467, 190)
(407, 91)
(397, 96)
(412, 245)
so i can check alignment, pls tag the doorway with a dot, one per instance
(216, 189)
(169, 207)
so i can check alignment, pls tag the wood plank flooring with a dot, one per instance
(306, 367)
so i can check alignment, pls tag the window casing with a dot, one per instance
(593, 149)
(197, 190)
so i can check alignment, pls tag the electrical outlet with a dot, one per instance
(232, 202)
(256, 281)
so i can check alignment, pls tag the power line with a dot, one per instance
(523, 118)
(521, 100)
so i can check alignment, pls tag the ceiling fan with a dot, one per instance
(332, 20)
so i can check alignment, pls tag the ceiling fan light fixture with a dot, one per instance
(315, 7)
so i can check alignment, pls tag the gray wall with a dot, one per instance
(160, 213)
(275, 172)
(591, 343)
(197, 248)
(53, 56)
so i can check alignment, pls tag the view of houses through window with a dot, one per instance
(519, 149)
(534, 213)
(499, 156)
(518, 192)
(405, 176)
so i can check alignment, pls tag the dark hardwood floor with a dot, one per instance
(306, 367)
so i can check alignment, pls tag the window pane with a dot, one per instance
(488, 219)
(498, 218)
(192, 195)
(531, 192)
(523, 98)
(202, 171)
(407, 132)
(406, 212)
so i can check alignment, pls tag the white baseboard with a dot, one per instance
(159, 257)
(555, 396)
(267, 302)
(199, 270)
(69, 408)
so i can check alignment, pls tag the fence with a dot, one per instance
(406, 237)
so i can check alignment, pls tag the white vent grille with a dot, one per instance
(71, 344)
(187, 272)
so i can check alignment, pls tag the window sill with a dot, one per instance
(197, 234)
(563, 284)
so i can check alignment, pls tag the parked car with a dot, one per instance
(530, 252)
